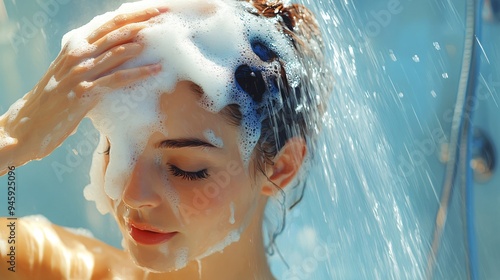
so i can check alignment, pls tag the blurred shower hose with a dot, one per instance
(459, 148)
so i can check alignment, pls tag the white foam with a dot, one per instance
(232, 237)
(163, 248)
(87, 63)
(94, 191)
(86, 85)
(78, 46)
(212, 139)
(186, 41)
(51, 84)
(14, 109)
(181, 258)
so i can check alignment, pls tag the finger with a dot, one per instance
(127, 77)
(71, 61)
(121, 20)
(117, 37)
(112, 59)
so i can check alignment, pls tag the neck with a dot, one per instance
(244, 259)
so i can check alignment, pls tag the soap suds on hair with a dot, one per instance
(186, 42)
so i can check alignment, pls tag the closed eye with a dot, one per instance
(188, 175)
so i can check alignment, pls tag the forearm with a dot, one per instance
(7, 147)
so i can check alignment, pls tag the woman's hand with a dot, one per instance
(38, 123)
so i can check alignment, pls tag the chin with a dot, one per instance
(157, 259)
(158, 265)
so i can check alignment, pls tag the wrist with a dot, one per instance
(10, 144)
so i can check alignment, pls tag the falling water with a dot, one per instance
(379, 156)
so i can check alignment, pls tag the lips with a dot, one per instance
(149, 236)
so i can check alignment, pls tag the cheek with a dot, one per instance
(223, 198)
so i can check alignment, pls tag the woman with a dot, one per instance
(218, 127)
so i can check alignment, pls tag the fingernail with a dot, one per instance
(162, 9)
(154, 67)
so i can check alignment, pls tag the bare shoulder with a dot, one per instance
(34, 248)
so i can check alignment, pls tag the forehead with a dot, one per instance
(182, 110)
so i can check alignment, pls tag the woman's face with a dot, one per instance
(190, 192)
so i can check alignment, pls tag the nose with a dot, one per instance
(140, 191)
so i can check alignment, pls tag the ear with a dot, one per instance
(287, 164)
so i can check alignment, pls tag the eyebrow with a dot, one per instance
(184, 143)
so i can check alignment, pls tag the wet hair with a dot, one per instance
(302, 105)
(298, 110)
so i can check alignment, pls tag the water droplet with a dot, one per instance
(445, 75)
(401, 95)
(351, 50)
(416, 58)
(436, 45)
(392, 55)
(433, 93)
